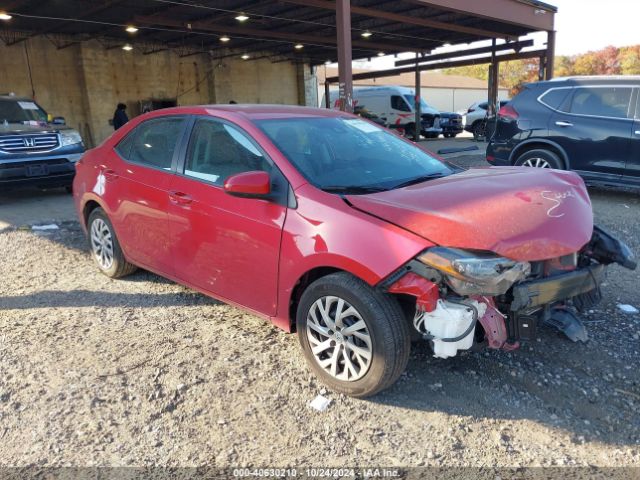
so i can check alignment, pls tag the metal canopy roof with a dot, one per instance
(274, 27)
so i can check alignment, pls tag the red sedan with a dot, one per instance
(337, 229)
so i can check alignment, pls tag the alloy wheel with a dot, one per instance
(102, 243)
(536, 162)
(339, 338)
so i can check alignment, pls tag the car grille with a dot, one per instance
(29, 143)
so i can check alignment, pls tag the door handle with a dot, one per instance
(110, 175)
(180, 198)
(564, 124)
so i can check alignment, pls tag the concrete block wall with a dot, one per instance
(84, 82)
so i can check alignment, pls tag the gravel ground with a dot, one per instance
(142, 372)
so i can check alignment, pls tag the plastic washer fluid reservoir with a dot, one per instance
(448, 321)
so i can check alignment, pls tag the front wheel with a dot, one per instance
(105, 248)
(354, 338)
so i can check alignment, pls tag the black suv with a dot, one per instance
(34, 148)
(587, 124)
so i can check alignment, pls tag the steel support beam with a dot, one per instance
(327, 95)
(410, 20)
(514, 12)
(517, 46)
(259, 33)
(440, 65)
(345, 73)
(416, 101)
(550, 55)
(493, 82)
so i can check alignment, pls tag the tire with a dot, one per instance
(479, 130)
(539, 158)
(102, 239)
(383, 335)
(410, 132)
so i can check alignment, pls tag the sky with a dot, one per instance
(581, 26)
(584, 25)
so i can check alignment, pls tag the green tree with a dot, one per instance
(630, 60)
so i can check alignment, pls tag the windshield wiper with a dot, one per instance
(420, 179)
(353, 189)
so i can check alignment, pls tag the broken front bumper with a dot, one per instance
(537, 293)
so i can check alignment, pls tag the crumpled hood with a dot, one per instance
(517, 212)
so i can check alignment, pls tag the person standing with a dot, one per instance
(120, 116)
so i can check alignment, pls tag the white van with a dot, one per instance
(395, 105)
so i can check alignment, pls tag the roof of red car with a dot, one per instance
(257, 112)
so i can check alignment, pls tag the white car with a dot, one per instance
(476, 114)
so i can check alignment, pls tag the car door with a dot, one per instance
(633, 162)
(143, 177)
(222, 244)
(593, 127)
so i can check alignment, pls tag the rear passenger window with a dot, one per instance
(555, 97)
(398, 103)
(155, 141)
(601, 102)
(124, 147)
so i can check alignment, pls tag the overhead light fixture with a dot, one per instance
(5, 16)
(366, 34)
(245, 56)
(242, 17)
(328, 62)
(298, 46)
(381, 54)
(127, 47)
(131, 29)
(224, 39)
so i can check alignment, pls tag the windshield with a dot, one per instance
(350, 154)
(21, 111)
(411, 99)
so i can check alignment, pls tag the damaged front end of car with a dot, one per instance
(466, 299)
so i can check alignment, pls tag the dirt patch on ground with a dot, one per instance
(143, 372)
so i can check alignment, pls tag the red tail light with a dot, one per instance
(508, 112)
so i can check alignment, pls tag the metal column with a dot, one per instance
(551, 54)
(327, 95)
(493, 81)
(417, 96)
(345, 74)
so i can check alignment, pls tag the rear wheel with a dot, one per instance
(539, 159)
(354, 338)
(105, 248)
(410, 132)
(479, 130)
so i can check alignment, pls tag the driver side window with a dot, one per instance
(398, 103)
(218, 150)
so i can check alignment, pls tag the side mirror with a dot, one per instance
(59, 121)
(255, 184)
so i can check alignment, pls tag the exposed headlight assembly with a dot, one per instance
(70, 137)
(475, 273)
